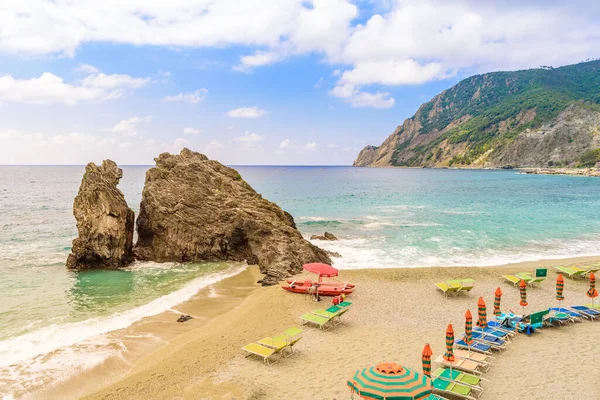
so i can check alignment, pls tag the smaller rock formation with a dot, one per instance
(184, 318)
(197, 209)
(104, 221)
(326, 236)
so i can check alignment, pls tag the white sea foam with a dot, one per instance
(22, 357)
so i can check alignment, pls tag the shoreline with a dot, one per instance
(591, 172)
(204, 360)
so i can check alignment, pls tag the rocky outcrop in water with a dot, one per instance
(326, 236)
(104, 221)
(196, 209)
(562, 171)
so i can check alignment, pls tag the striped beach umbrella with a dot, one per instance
(497, 298)
(449, 354)
(426, 360)
(592, 293)
(560, 285)
(482, 313)
(389, 381)
(468, 328)
(523, 291)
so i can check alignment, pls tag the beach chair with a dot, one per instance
(494, 341)
(540, 276)
(461, 285)
(475, 346)
(512, 279)
(321, 322)
(462, 364)
(481, 358)
(571, 273)
(575, 316)
(586, 270)
(435, 397)
(587, 312)
(453, 389)
(332, 315)
(536, 321)
(593, 306)
(502, 326)
(445, 288)
(495, 332)
(260, 351)
(345, 304)
(560, 318)
(459, 377)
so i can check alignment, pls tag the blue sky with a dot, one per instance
(252, 82)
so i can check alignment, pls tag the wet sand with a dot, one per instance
(395, 312)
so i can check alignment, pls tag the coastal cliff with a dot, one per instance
(196, 209)
(533, 118)
(104, 221)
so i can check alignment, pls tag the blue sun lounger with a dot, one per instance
(574, 315)
(495, 332)
(493, 341)
(501, 326)
(586, 311)
(475, 346)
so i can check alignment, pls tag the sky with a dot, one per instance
(266, 82)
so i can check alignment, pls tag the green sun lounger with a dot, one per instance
(321, 322)
(460, 377)
(260, 351)
(571, 273)
(345, 304)
(586, 270)
(443, 386)
(289, 341)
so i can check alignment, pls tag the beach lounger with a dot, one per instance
(293, 331)
(331, 315)
(575, 316)
(481, 358)
(512, 279)
(502, 326)
(453, 389)
(493, 341)
(475, 346)
(434, 397)
(459, 377)
(261, 351)
(321, 322)
(495, 332)
(586, 311)
(586, 270)
(345, 304)
(560, 318)
(445, 288)
(463, 365)
(594, 306)
(461, 285)
(571, 273)
(540, 276)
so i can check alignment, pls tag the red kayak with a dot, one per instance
(335, 284)
(303, 287)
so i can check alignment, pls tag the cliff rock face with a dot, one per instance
(195, 209)
(104, 221)
(533, 118)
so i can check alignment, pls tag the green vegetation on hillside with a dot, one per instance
(501, 98)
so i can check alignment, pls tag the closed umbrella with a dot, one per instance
(482, 313)
(449, 354)
(389, 381)
(592, 293)
(523, 290)
(497, 298)
(560, 285)
(426, 360)
(468, 329)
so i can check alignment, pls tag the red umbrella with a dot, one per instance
(497, 298)
(482, 313)
(523, 290)
(593, 292)
(426, 360)
(323, 270)
(560, 285)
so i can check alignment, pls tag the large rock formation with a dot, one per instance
(104, 221)
(195, 209)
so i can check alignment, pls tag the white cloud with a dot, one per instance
(292, 144)
(258, 59)
(249, 137)
(332, 146)
(246, 112)
(213, 146)
(191, 131)
(79, 148)
(51, 89)
(128, 127)
(87, 68)
(310, 146)
(356, 98)
(286, 143)
(190, 97)
(318, 84)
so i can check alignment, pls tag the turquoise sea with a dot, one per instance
(383, 217)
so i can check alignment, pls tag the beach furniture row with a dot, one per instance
(456, 286)
(328, 318)
(577, 272)
(531, 279)
(270, 347)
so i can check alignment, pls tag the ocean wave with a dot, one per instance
(23, 352)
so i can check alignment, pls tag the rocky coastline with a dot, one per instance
(595, 172)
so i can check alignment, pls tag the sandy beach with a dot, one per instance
(395, 312)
